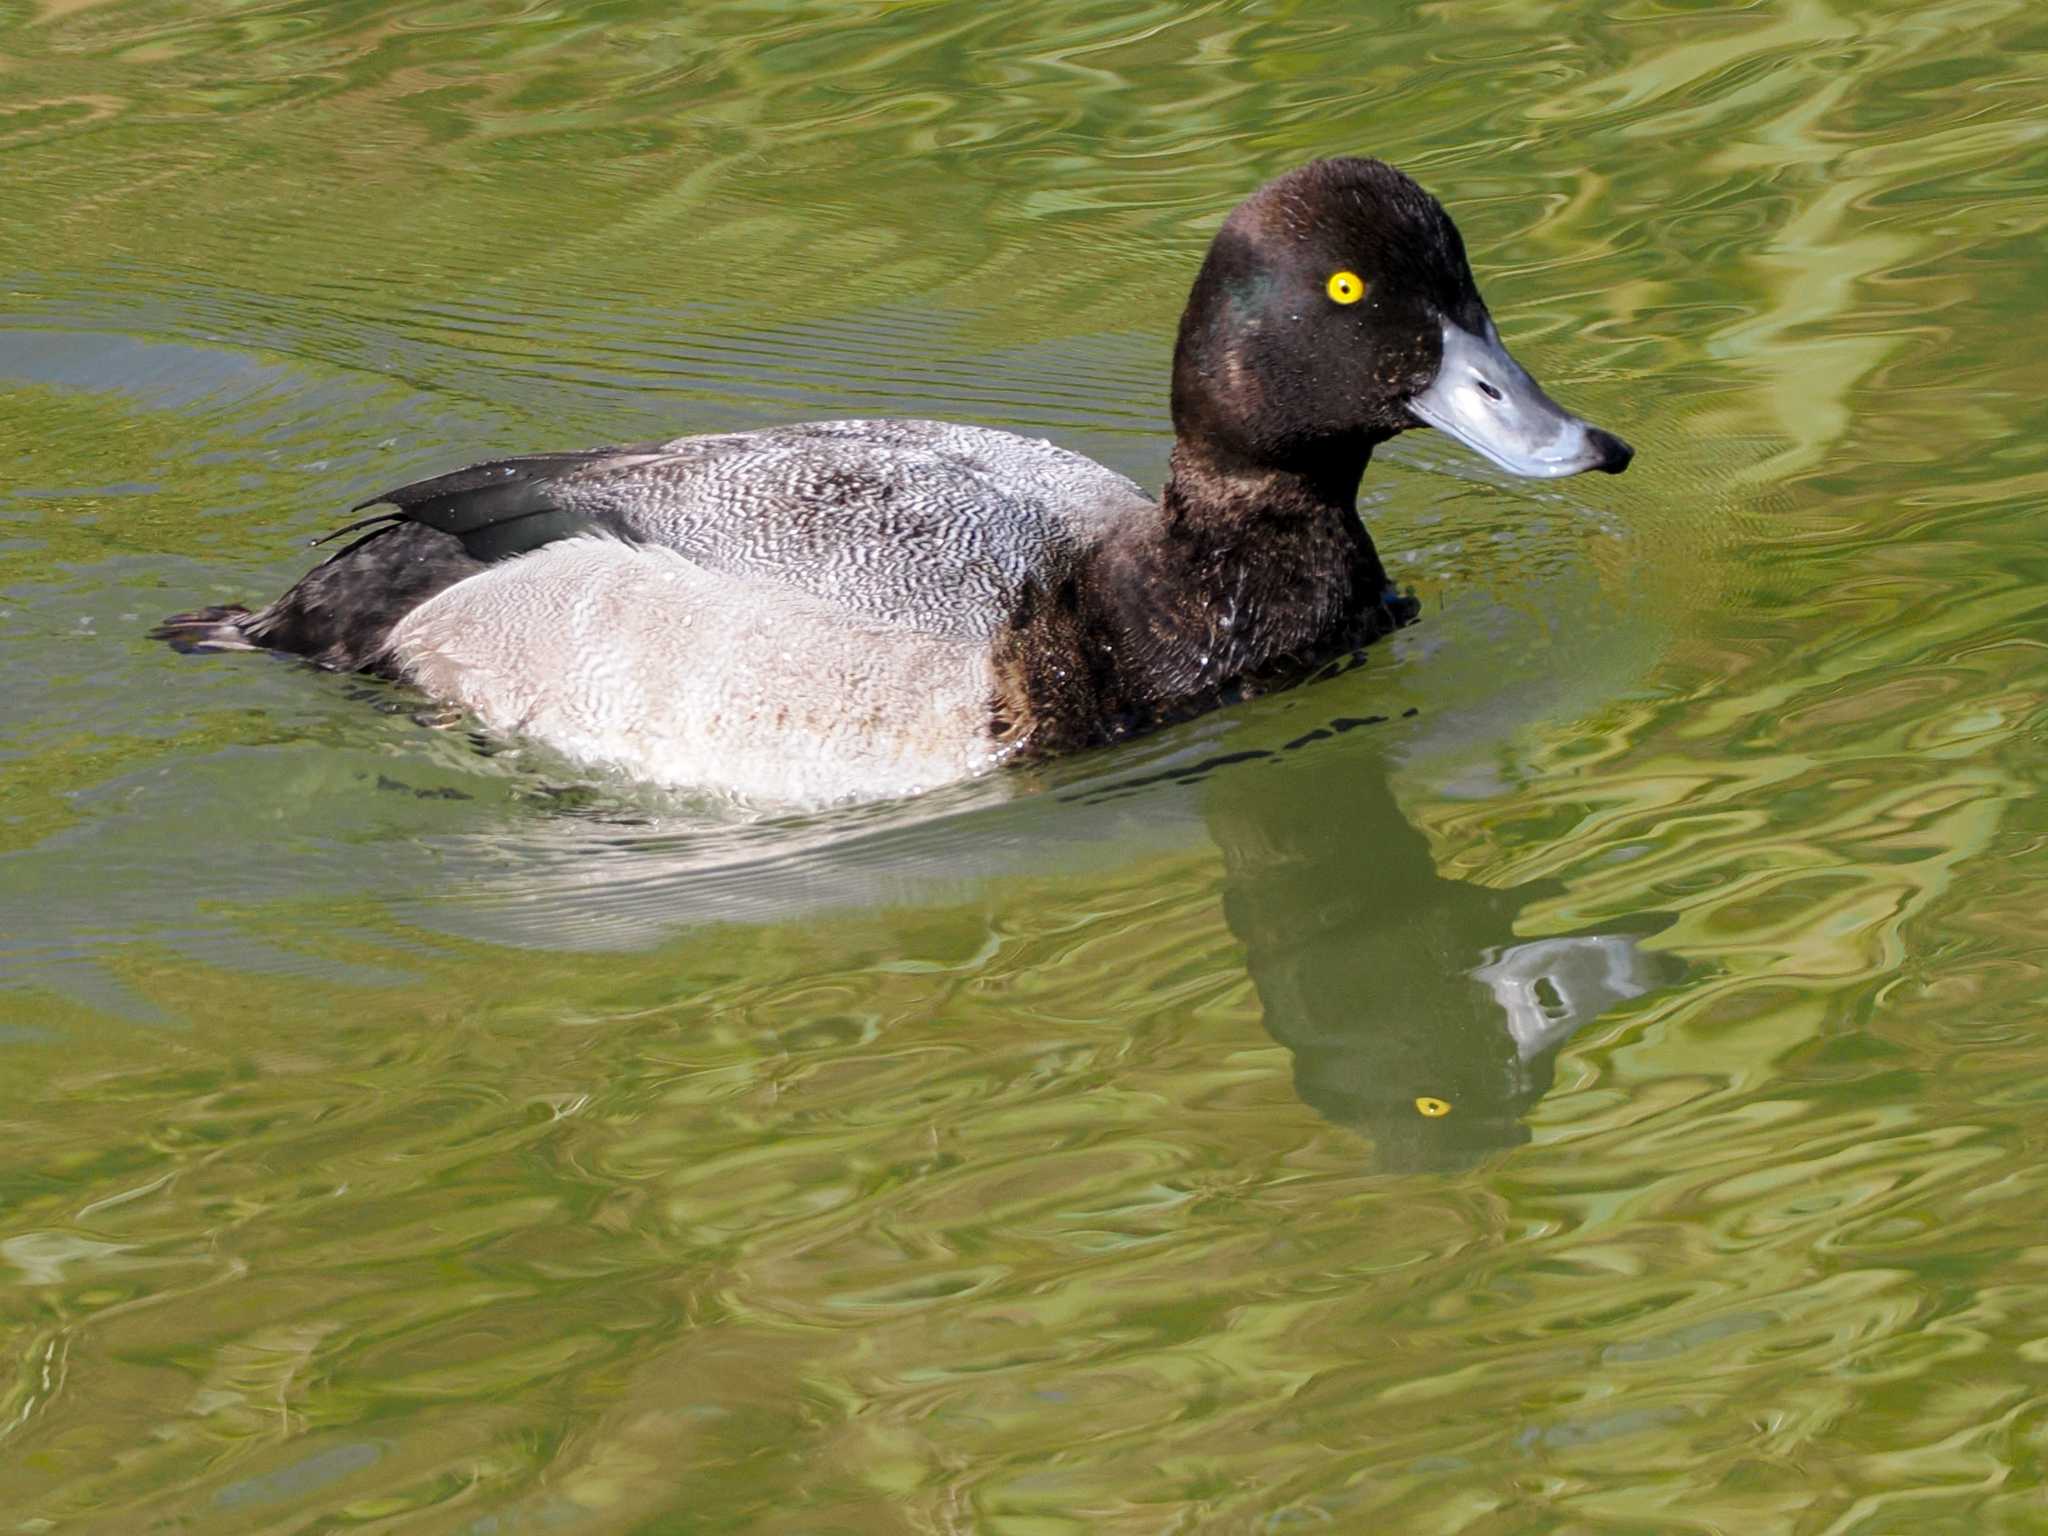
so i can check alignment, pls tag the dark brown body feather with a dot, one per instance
(1248, 584)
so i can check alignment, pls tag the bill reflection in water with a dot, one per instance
(1414, 1013)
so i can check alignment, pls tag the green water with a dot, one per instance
(402, 1132)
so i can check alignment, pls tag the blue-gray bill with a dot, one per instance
(1487, 401)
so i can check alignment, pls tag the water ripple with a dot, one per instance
(409, 1131)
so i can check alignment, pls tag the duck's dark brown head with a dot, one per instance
(1335, 309)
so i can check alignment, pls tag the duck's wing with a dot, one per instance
(927, 525)
(501, 508)
(924, 525)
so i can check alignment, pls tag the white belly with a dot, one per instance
(631, 656)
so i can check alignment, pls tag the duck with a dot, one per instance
(849, 610)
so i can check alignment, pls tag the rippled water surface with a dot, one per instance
(1582, 1071)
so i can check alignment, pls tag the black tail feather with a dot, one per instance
(443, 529)
(207, 630)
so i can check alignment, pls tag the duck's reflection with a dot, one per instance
(1413, 1012)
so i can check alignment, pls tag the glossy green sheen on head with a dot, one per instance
(1267, 368)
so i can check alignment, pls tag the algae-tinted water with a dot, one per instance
(1582, 1071)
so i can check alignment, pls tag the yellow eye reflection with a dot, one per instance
(1434, 1109)
(1347, 288)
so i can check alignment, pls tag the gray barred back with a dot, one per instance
(923, 525)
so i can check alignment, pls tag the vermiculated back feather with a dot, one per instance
(922, 525)
(927, 525)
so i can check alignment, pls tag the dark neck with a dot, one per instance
(1248, 579)
(1252, 568)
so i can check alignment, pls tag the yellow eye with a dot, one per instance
(1347, 288)
(1435, 1109)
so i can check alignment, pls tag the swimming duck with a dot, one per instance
(852, 609)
